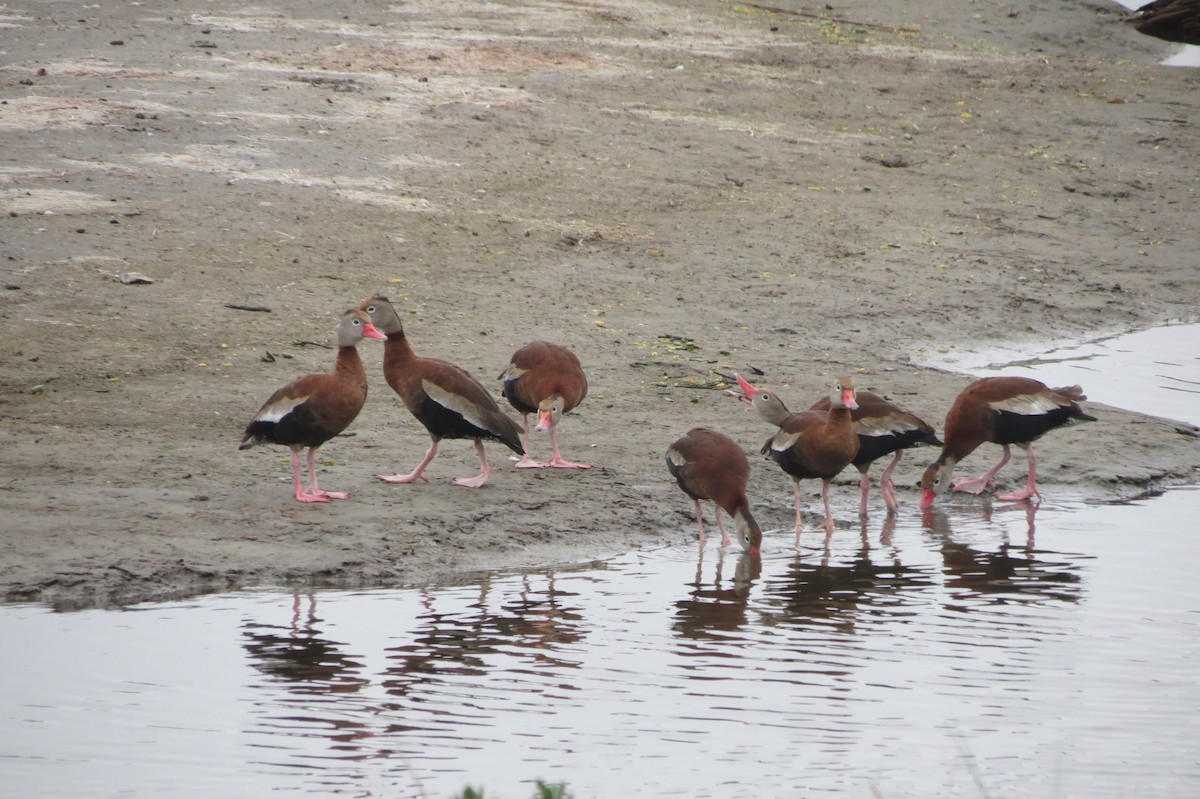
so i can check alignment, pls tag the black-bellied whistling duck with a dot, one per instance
(1169, 20)
(883, 428)
(1004, 411)
(312, 409)
(548, 380)
(710, 465)
(810, 444)
(445, 398)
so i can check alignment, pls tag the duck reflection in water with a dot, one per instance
(535, 625)
(720, 607)
(299, 656)
(1013, 572)
(839, 591)
(310, 666)
(810, 591)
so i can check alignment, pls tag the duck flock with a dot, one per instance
(847, 427)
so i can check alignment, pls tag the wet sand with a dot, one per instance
(674, 190)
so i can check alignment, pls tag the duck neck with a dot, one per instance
(397, 352)
(349, 364)
(840, 414)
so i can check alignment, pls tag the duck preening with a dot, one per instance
(448, 401)
(710, 465)
(809, 444)
(1004, 411)
(312, 409)
(546, 379)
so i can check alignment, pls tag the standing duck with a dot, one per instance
(810, 444)
(883, 428)
(548, 380)
(710, 465)
(445, 398)
(312, 409)
(1004, 411)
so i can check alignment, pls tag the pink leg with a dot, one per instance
(828, 510)
(799, 499)
(1030, 483)
(485, 469)
(415, 475)
(526, 461)
(700, 523)
(976, 485)
(725, 539)
(887, 485)
(315, 489)
(298, 486)
(556, 459)
(864, 487)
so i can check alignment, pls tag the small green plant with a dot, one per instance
(544, 790)
(556, 791)
(677, 343)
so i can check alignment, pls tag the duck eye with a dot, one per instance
(766, 397)
(370, 309)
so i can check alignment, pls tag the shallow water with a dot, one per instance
(950, 655)
(978, 650)
(1154, 371)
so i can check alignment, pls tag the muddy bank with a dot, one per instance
(671, 189)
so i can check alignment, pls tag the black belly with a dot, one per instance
(1016, 428)
(299, 428)
(512, 395)
(444, 423)
(872, 448)
(794, 467)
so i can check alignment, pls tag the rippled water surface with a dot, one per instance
(1155, 371)
(978, 651)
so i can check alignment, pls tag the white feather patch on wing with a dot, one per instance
(1027, 404)
(881, 426)
(512, 372)
(676, 457)
(783, 441)
(454, 402)
(279, 409)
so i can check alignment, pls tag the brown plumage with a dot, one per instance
(312, 409)
(810, 444)
(1004, 411)
(445, 398)
(883, 428)
(1169, 20)
(548, 380)
(710, 465)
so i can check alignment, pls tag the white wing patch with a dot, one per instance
(454, 402)
(279, 409)
(1027, 404)
(882, 426)
(676, 458)
(784, 441)
(512, 372)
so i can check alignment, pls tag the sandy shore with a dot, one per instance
(672, 189)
